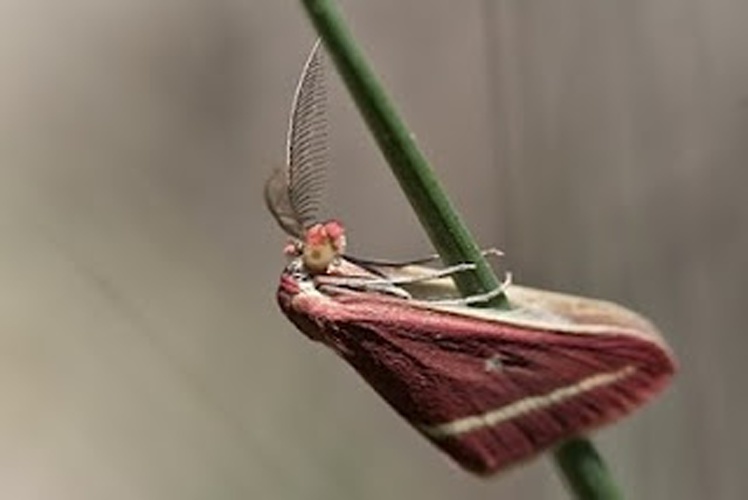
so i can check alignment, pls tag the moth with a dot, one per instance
(489, 387)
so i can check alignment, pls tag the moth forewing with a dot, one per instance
(489, 389)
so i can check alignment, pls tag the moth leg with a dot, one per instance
(346, 286)
(431, 274)
(491, 252)
(366, 263)
(375, 263)
(480, 298)
(390, 285)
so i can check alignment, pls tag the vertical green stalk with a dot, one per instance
(583, 468)
(585, 471)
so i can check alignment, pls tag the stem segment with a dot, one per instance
(585, 471)
(583, 468)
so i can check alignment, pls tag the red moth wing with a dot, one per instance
(490, 388)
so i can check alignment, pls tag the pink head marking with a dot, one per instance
(323, 244)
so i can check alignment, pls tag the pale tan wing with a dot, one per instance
(580, 310)
(532, 305)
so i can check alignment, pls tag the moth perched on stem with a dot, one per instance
(489, 387)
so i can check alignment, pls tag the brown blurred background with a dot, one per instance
(602, 145)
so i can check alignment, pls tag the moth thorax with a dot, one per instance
(323, 244)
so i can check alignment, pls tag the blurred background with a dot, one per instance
(601, 145)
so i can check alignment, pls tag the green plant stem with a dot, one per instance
(584, 469)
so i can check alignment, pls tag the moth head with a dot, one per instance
(323, 245)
